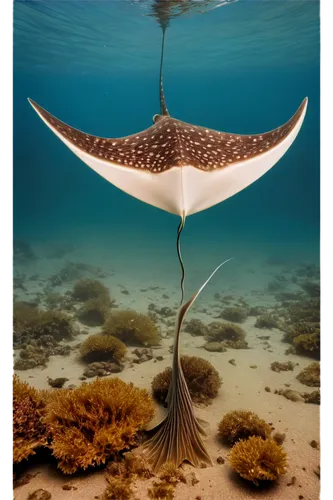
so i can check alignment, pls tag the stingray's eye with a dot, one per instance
(156, 118)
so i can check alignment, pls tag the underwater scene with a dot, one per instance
(166, 326)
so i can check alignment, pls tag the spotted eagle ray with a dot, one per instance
(183, 169)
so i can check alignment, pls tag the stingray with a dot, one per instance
(183, 169)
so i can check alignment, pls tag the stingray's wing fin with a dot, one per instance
(176, 166)
(130, 163)
(227, 163)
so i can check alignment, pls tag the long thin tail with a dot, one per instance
(176, 366)
(164, 109)
(179, 231)
(184, 310)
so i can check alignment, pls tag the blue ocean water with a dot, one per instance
(243, 68)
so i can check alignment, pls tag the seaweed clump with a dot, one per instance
(308, 343)
(229, 334)
(95, 422)
(118, 489)
(202, 379)
(161, 490)
(241, 424)
(171, 474)
(29, 430)
(30, 357)
(257, 459)
(310, 375)
(236, 314)
(86, 289)
(302, 322)
(130, 465)
(37, 352)
(195, 327)
(57, 324)
(132, 328)
(32, 323)
(266, 321)
(25, 319)
(94, 312)
(102, 348)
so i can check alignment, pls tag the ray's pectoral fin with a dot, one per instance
(129, 163)
(232, 162)
(176, 166)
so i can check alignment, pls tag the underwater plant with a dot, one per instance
(257, 459)
(24, 317)
(94, 312)
(102, 348)
(171, 474)
(241, 424)
(308, 343)
(132, 328)
(220, 332)
(310, 375)
(31, 322)
(30, 357)
(299, 328)
(256, 311)
(56, 323)
(29, 431)
(202, 379)
(195, 327)
(235, 314)
(266, 321)
(95, 422)
(130, 465)
(161, 491)
(118, 489)
(86, 289)
(304, 311)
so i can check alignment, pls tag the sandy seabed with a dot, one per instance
(243, 388)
